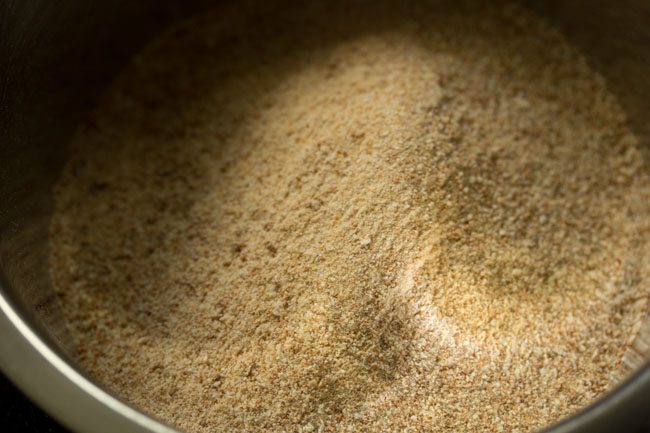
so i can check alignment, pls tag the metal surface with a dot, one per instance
(55, 57)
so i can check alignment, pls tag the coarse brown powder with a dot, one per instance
(355, 216)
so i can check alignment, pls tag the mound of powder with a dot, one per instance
(367, 216)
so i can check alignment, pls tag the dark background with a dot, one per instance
(41, 23)
(19, 415)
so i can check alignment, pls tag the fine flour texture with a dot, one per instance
(355, 216)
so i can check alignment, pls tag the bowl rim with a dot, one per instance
(78, 403)
(58, 387)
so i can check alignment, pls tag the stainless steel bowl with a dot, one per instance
(54, 59)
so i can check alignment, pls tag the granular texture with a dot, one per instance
(368, 216)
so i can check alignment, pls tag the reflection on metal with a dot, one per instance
(55, 57)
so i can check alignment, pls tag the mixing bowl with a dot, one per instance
(55, 57)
